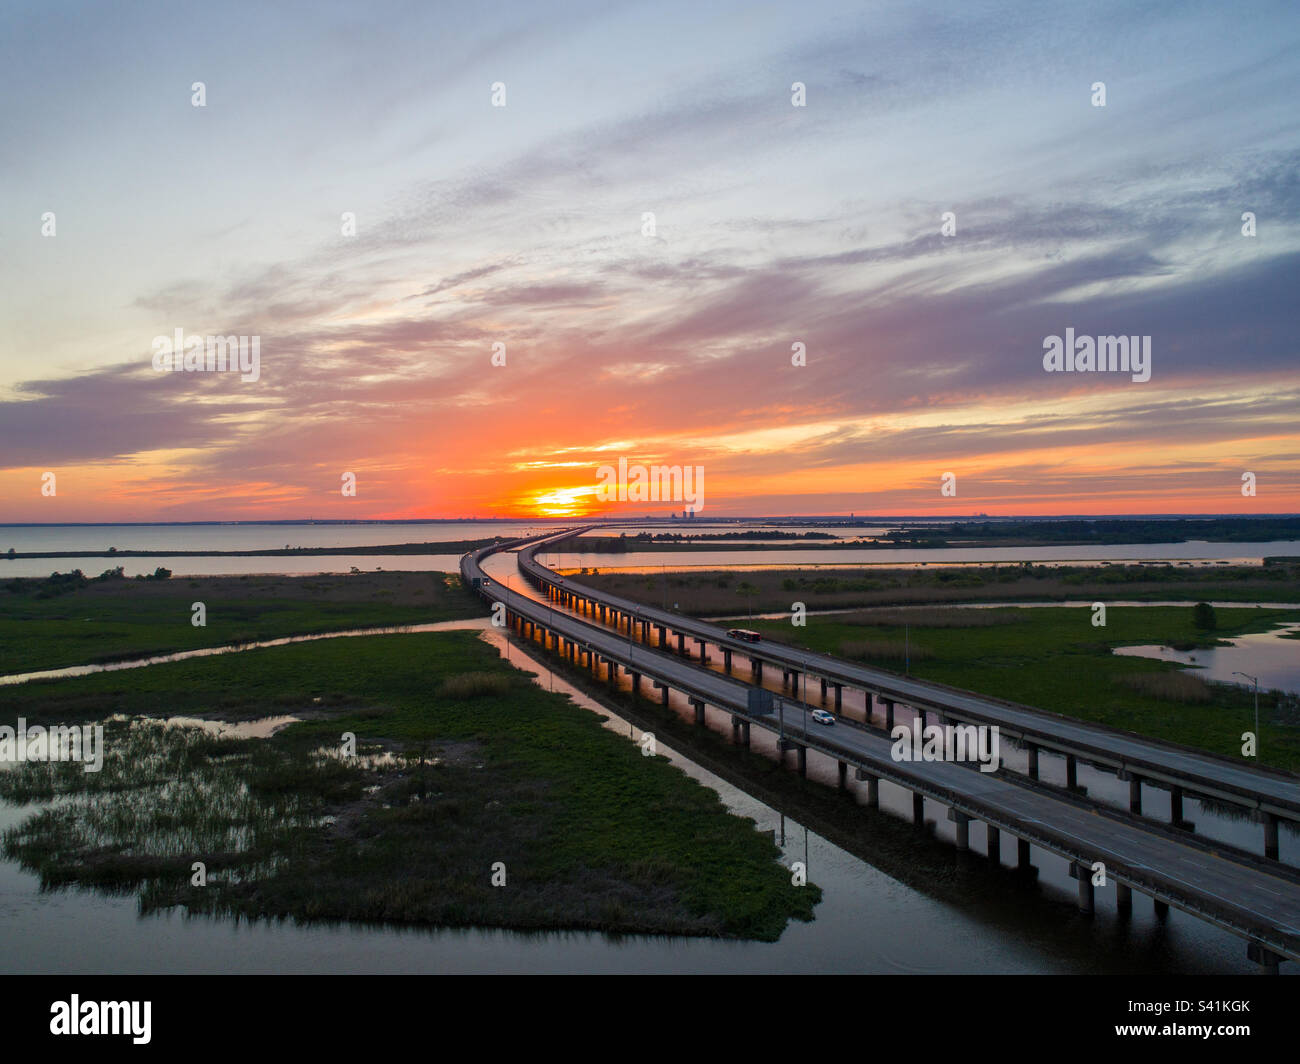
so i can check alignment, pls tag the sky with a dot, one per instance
(500, 162)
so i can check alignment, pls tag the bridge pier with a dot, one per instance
(1162, 909)
(1023, 862)
(844, 775)
(823, 690)
(962, 822)
(1071, 773)
(994, 846)
(803, 761)
(1264, 957)
(664, 688)
(839, 698)
(726, 660)
(757, 667)
(663, 635)
(1135, 794)
(1176, 806)
(873, 787)
(1031, 752)
(1270, 835)
(1083, 873)
(681, 643)
(889, 713)
(918, 808)
(704, 656)
(1123, 899)
(699, 710)
(636, 683)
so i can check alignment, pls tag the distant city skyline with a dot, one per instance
(659, 249)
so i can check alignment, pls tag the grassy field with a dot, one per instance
(486, 767)
(733, 593)
(46, 624)
(1054, 659)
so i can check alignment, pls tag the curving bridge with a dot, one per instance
(1253, 897)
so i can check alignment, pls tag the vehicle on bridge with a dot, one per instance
(745, 634)
(822, 717)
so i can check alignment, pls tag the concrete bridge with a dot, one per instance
(1255, 898)
(1266, 795)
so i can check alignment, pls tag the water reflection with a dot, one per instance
(1271, 656)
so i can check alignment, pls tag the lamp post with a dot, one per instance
(1255, 681)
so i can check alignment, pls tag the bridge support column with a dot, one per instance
(1071, 773)
(803, 761)
(663, 687)
(1135, 794)
(1162, 909)
(844, 776)
(994, 844)
(704, 656)
(726, 661)
(1270, 835)
(873, 787)
(1083, 873)
(918, 808)
(1031, 752)
(735, 730)
(839, 698)
(758, 670)
(699, 710)
(889, 714)
(1123, 899)
(962, 822)
(636, 683)
(1023, 862)
(681, 643)
(1175, 806)
(611, 671)
(823, 690)
(663, 636)
(1264, 956)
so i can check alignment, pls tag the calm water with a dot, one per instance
(1271, 657)
(24, 538)
(261, 537)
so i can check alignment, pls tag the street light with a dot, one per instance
(1255, 681)
(507, 616)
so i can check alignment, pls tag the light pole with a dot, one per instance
(507, 617)
(1255, 681)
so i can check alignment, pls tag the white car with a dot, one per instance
(820, 716)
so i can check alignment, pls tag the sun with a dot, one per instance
(562, 502)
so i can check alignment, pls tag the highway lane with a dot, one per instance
(1255, 904)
